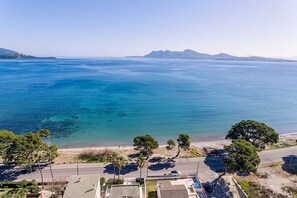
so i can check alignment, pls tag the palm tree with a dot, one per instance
(121, 162)
(114, 157)
(140, 163)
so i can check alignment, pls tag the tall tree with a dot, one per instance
(183, 142)
(121, 162)
(6, 139)
(259, 134)
(51, 154)
(30, 149)
(140, 163)
(242, 157)
(146, 144)
(114, 157)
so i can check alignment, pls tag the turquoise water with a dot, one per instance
(88, 102)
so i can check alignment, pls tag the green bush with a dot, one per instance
(20, 187)
(33, 189)
(140, 181)
(115, 181)
(16, 193)
(195, 152)
(20, 184)
(102, 181)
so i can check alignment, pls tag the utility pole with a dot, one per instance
(197, 168)
(292, 157)
(77, 169)
(147, 168)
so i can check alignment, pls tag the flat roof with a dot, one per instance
(167, 190)
(119, 191)
(82, 186)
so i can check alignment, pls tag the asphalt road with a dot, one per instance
(206, 167)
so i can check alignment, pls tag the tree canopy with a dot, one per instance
(183, 141)
(242, 157)
(171, 144)
(6, 139)
(146, 144)
(259, 134)
(120, 163)
(27, 149)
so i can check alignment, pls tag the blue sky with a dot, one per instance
(135, 27)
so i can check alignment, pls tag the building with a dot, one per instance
(126, 191)
(180, 188)
(83, 186)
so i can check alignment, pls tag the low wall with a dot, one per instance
(241, 193)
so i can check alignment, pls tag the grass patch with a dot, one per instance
(276, 164)
(291, 190)
(195, 152)
(151, 189)
(254, 190)
(282, 145)
(96, 156)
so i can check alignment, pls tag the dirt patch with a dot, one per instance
(277, 178)
(271, 178)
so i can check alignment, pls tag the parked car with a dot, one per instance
(208, 187)
(175, 173)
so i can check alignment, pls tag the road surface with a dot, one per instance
(206, 168)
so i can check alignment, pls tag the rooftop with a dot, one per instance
(180, 188)
(86, 186)
(168, 190)
(125, 191)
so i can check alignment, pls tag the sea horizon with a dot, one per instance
(108, 101)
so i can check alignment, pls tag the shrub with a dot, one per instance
(16, 193)
(33, 189)
(21, 187)
(195, 152)
(171, 144)
(115, 181)
(291, 190)
(96, 156)
(140, 181)
(20, 184)
(102, 181)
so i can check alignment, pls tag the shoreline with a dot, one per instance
(215, 143)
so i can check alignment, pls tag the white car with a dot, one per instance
(175, 173)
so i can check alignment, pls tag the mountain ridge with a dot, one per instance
(10, 54)
(191, 54)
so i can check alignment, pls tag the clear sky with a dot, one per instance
(136, 27)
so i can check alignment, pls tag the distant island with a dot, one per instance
(10, 54)
(191, 54)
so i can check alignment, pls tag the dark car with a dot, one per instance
(208, 187)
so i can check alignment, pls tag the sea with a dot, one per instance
(109, 101)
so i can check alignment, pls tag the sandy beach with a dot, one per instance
(70, 155)
(200, 144)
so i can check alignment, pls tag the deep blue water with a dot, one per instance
(87, 102)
